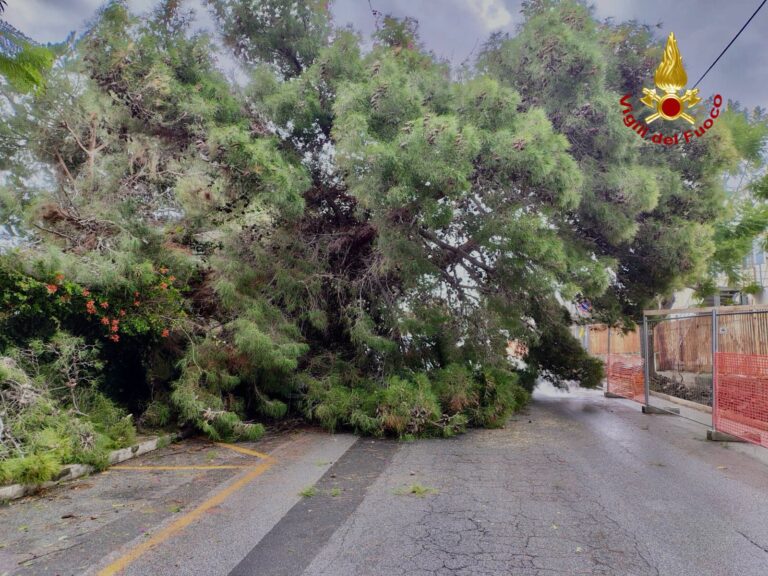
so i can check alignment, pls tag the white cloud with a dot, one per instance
(51, 21)
(45, 21)
(492, 13)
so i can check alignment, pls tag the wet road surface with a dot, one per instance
(578, 484)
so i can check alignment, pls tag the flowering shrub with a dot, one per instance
(143, 304)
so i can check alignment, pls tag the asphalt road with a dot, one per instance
(579, 484)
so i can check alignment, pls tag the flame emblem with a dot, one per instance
(670, 77)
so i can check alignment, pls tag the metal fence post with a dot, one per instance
(713, 388)
(586, 339)
(608, 363)
(646, 367)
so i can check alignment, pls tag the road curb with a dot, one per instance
(717, 436)
(73, 471)
(655, 410)
(682, 402)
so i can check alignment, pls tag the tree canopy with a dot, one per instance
(22, 62)
(356, 234)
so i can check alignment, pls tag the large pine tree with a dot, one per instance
(356, 234)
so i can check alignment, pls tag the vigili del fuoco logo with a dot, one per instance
(670, 78)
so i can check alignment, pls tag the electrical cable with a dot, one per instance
(731, 42)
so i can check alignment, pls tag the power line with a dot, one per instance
(731, 42)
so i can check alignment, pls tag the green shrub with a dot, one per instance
(452, 425)
(227, 427)
(249, 431)
(591, 372)
(157, 414)
(411, 407)
(500, 395)
(333, 405)
(408, 407)
(456, 388)
(53, 441)
(57, 424)
(111, 421)
(273, 409)
(97, 457)
(486, 397)
(365, 424)
(33, 469)
(403, 407)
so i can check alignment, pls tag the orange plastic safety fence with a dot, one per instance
(741, 396)
(624, 376)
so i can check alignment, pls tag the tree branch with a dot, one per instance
(54, 232)
(458, 250)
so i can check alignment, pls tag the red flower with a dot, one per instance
(163, 286)
(165, 333)
(59, 278)
(136, 302)
(104, 305)
(136, 293)
(105, 321)
(122, 312)
(86, 292)
(171, 278)
(115, 338)
(90, 307)
(51, 288)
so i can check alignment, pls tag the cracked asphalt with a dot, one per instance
(578, 484)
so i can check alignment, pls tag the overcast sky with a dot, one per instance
(454, 28)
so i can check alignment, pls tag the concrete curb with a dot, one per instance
(655, 410)
(717, 436)
(73, 471)
(682, 402)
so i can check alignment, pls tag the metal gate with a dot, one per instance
(678, 351)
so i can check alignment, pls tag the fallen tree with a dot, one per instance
(353, 236)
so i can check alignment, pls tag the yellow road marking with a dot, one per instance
(184, 521)
(200, 467)
(242, 450)
(233, 447)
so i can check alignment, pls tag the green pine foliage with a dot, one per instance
(354, 235)
(747, 218)
(53, 412)
(23, 64)
(26, 69)
(452, 399)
